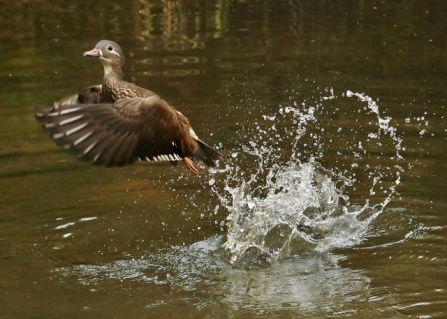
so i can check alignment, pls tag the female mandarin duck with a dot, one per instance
(117, 123)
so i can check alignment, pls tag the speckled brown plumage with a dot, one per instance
(117, 122)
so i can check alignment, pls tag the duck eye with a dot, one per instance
(110, 48)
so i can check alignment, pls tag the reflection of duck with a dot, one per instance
(118, 122)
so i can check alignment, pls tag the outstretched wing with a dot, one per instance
(119, 133)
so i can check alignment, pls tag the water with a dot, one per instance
(286, 206)
(331, 200)
(303, 281)
(284, 219)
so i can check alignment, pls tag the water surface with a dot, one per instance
(330, 202)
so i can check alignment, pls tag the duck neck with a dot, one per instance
(113, 75)
(112, 70)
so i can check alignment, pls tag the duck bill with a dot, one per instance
(95, 53)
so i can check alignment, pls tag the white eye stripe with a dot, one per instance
(114, 52)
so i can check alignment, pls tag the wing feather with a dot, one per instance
(116, 134)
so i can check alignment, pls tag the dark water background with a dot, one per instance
(93, 242)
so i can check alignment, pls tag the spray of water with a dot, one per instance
(310, 178)
(286, 201)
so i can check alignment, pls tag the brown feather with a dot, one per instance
(118, 122)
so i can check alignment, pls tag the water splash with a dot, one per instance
(287, 202)
(308, 180)
(307, 282)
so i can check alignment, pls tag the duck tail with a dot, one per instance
(207, 154)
